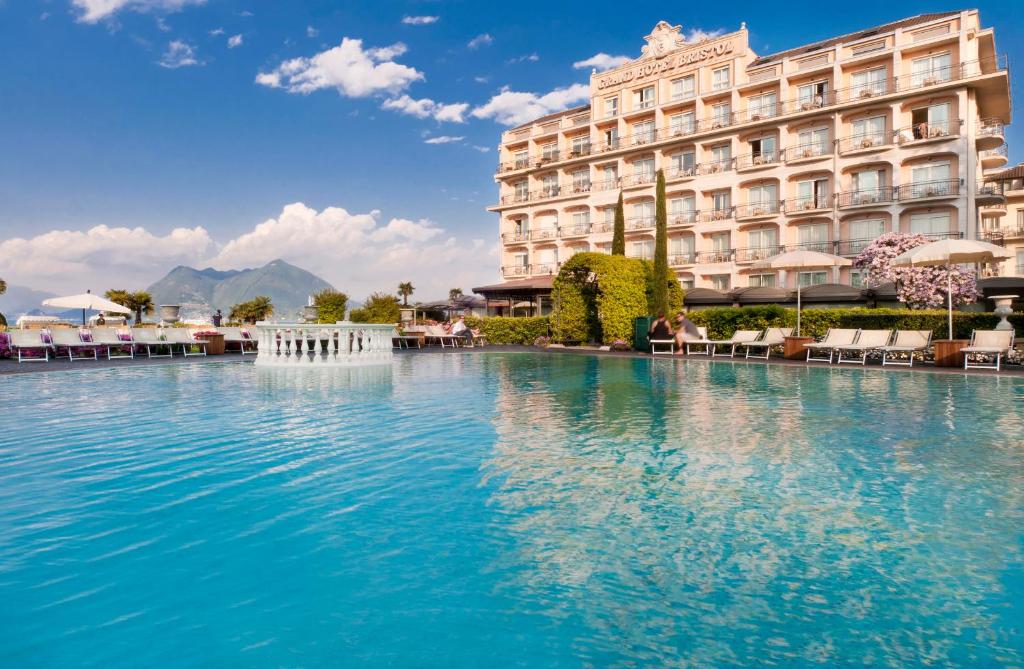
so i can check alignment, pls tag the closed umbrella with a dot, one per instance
(86, 301)
(948, 252)
(801, 259)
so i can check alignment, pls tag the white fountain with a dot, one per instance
(342, 344)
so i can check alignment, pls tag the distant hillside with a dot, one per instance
(19, 300)
(204, 290)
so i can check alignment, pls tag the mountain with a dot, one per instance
(19, 300)
(201, 291)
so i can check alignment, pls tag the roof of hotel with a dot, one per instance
(551, 117)
(517, 285)
(824, 44)
(1015, 172)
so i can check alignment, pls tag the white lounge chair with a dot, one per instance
(235, 335)
(109, 338)
(833, 338)
(29, 340)
(71, 339)
(738, 338)
(906, 342)
(988, 342)
(151, 338)
(701, 341)
(772, 337)
(867, 341)
(437, 333)
(183, 337)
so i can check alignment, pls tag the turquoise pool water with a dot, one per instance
(511, 510)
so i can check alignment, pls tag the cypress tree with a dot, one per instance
(619, 231)
(660, 296)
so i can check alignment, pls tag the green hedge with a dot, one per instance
(723, 321)
(503, 330)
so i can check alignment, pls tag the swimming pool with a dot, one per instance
(523, 510)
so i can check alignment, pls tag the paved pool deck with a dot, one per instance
(10, 367)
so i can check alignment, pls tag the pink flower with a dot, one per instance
(917, 287)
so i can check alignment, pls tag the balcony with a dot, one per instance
(990, 134)
(681, 173)
(925, 133)
(805, 206)
(548, 192)
(717, 215)
(992, 158)
(514, 271)
(810, 103)
(712, 257)
(758, 160)
(679, 130)
(569, 231)
(866, 91)
(820, 247)
(579, 151)
(716, 166)
(990, 194)
(808, 152)
(682, 218)
(865, 198)
(758, 253)
(639, 223)
(642, 138)
(548, 157)
(516, 198)
(863, 143)
(928, 190)
(602, 227)
(638, 179)
(718, 122)
(852, 247)
(758, 210)
(544, 268)
(758, 113)
(517, 237)
(544, 234)
(680, 259)
(605, 184)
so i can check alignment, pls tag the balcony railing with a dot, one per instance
(573, 230)
(679, 130)
(758, 113)
(999, 153)
(551, 156)
(516, 237)
(707, 257)
(851, 247)
(674, 173)
(643, 137)
(866, 91)
(920, 132)
(870, 140)
(758, 159)
(541, 234)
(810, 103)
(638, 179)
(605, 184)
(758, 253)
(808, 204)
(688, 217)
(717, 166)
(757, 209)
(602, 227)
(820, 247)
(515, 270)
(544, 268)
(715, 215)
(718, 121)
(686, 258)
(928, 189)
(808, 151)
(640, 223)
(514, 198)
(859, 198)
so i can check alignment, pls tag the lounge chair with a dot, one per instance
(235, 335)
(151, 339)
(906, 342)
(833, 338)
(656, 343)
(109, 338)
(71, 339)
(404, 341)
(738, 338)
(772, 337)
(867, 341)
(183, 337)
(701, 341)
(988, 342)
(437, 333)
(29, 340)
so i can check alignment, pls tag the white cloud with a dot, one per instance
(443, 139)
(480, 40)
(100, 258)
(234, 40)
(427, 108)
(420, 20)
(601, 61)
(311, 31)
(531, 57)
(481, 79)
(92, 11)
(351, 70)
(216, 32)
(698, 35)
(513, 107)
(482, 149)
(179, 54)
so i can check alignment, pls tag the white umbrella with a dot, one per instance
(801, 259)
(947, 252)
(86, 301)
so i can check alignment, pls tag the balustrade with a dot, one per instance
(340, 344)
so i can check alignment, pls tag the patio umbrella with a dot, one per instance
(801, 259)
(948, 252)
(86, 301)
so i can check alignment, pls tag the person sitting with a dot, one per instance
(660, 329)
(100, 320)
(685, 330)
(460, 329)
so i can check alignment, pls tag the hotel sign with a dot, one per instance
(665, 64)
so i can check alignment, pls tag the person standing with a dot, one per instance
(217, 318)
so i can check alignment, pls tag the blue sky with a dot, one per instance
(187, 128)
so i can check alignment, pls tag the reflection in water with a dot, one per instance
(729, 513)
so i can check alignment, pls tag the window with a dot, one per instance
(868, 83)
(603, 247)
(720, 78)
(763, 199)
(682, 124)
(609, 215)
(721, 157)
(812, 142)
(858, 278)
(682, 163)
(720, 242)
(686, 283)
(812, 95)
(522, 159)
(643, 248)
(814, 237)
(611, 107)
(520, 260)
(720, 281)
(930, 180)
(930, 224)
(581, 145)
(990, 223)
(931, 69)
(722, 200)
(549, 152)
(580, 221)
(610, 176)
(720, 114)
(681, 248)
(812, 194)
(768, 238)
(684, 88)
(611, 138)
(1020, 219)
(643, 133)
(522, 191)
(643, 170)
(864, 232)
(812, 278)
(868, 132)
(549, 185)
(682, 209)
(547, 259)
(644, 98)
(762, 281)
(1020, 262)
(581, 181)
(868, 187)
(761, 106)
(577, 248)
(927, 122)
(643, 214)
(762, 150)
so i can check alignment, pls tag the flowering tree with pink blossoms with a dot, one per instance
(917, 287)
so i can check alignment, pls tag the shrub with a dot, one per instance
(257, 309)
(721, 322)
(330, 305)
(505, 330)
(378, 308)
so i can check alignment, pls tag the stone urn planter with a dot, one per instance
(1004, 307)
(310, 314)
(169, 313)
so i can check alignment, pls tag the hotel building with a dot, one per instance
(825, 147)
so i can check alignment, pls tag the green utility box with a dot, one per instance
(641, 326)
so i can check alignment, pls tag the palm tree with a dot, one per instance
(454, 294)
(619, 233)
(257, 309)
(660, 297)
(140, 301)
(3, 286)
(405, 289)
